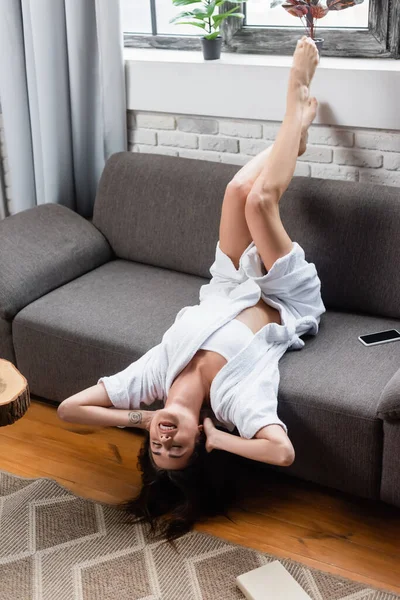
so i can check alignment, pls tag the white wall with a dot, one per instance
(229, 110)
(351, 92)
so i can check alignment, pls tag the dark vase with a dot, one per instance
(211, 48)
(319, 42)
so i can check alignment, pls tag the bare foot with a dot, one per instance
(305, 61)
(309, 114)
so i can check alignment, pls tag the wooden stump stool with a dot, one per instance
(14, 394)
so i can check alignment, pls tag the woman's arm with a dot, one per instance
(271, 447)
(93, 407)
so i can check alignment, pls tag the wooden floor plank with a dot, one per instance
(361, 525)
(252, 537)
(280, 515)
(90, 448)
(321, 545)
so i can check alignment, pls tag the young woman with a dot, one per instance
(223, 353)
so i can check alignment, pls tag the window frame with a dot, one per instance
(380, 40)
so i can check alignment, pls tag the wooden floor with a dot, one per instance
(279, 515)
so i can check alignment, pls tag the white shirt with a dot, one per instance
(244, 392)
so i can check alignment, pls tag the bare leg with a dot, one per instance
(279, 167)
(234, 233)
(254, 167)
(262, 206)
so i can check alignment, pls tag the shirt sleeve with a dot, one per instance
(295, 282)
(256, 406)
(141, 382)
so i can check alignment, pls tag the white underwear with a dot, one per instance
(229, 339)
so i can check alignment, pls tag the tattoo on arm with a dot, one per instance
(135, 418)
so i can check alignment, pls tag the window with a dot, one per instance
(371, 29)
(148, 16)
(136, 16)
(257, 14)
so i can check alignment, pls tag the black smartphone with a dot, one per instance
(380, 337)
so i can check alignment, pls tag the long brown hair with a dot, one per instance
(172, 501)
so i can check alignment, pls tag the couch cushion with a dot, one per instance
(97, 325)
(329, 396)
(42, 248)
(6, 342)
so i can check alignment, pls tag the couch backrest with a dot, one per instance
(161, 210)
(165, 211)
(351, 231)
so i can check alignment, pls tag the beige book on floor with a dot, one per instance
(270, 582)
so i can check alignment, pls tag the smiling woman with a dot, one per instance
(173, 443)
(222, 354)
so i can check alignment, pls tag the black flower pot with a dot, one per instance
(319, 42)
(211, 48)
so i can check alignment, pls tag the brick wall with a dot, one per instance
(366, 155)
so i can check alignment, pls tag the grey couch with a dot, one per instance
(80, 299)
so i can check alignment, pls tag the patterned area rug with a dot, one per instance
(57, 546)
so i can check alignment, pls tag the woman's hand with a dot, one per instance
(211, 434)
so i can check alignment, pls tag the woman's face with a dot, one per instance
(173, 437)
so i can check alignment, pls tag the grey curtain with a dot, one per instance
(62, 93)
(3, 202)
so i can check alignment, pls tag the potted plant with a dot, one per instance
(205, 14)
(309, 11)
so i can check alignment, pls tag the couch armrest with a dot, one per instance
(389, 402)
(43, 248)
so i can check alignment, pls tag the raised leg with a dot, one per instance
(234, 232)
(262, 205)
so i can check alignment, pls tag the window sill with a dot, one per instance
(351, 92)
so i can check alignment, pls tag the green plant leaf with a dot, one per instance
(202, 25)
(185, 2)
(211, 8)
(199, 12)
(212, 36)
(219, 18)
(230, 13)
(181, 15)
(234, 10)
